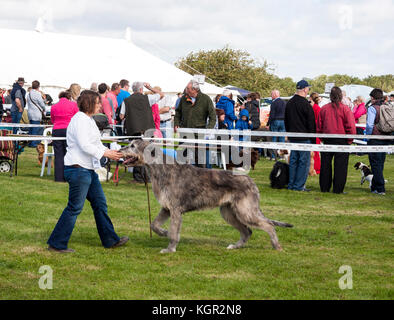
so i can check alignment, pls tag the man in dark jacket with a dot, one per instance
(276, 120)
(299, 117)
(195, 110)
(18, 95)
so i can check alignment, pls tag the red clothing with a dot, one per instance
(156, 119)
(336, 120)
(358, 111)
(316, 157)
(106, 108)
(62, 112)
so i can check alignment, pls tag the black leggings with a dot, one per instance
(60, 149)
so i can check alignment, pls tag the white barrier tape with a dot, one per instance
(35, 138)
(250, 133)
(244, 144)
(23, 125)
(282, 146)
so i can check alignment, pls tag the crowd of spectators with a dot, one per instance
(137, 111)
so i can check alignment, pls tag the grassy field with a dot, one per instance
(353, 229)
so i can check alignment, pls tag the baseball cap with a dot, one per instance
(302, 84)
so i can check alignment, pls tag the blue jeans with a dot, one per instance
(277, 126)
(299, 168)
(36, 131)
(83, 184)
(376, 160)
(165, 128)
(16, 118)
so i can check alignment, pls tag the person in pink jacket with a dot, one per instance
(106, 107)
(360, 113)
(61, 114)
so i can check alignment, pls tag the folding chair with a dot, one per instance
(47, 153)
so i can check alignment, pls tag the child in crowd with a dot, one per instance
(243, 122)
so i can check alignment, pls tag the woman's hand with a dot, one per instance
(113, 154)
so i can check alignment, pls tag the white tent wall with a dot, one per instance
(58, 60)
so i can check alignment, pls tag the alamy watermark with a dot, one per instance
(345, 17)
(346, 281)
(46, 281)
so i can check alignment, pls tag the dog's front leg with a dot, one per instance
(163, 216)
(175, 230)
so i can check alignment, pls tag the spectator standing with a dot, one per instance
(335, 118)
(105, 103)
(123, 94)
(156, 114)
(253, 107)
(346, 100)
(226, 103)
(61, 115)
(276, 120)
(112, 96)
(299, 117)
(164, 106)
(376, 160)
(35, 112)
(360, 114)
(94, 87)
(315, 100)
(7, 98)
(83, 156)
(195, 110)
(18, 99)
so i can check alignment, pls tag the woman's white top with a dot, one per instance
(84, 145)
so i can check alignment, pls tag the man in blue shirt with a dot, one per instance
(123, 94)
(376, 159)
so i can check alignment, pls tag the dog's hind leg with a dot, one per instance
(174, 233)
(163, 216)
(230, 217)
(253, 217)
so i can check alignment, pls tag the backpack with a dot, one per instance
(279, 175)
(386, 118)
(101, 121)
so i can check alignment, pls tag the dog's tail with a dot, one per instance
(281, 224)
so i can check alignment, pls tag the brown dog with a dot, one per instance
(40, 149)
(254, 157)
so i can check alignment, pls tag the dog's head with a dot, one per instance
(40, 148)
(360, 165)
(140, 153)
(133, 154)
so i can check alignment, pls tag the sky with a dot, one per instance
(298, 39)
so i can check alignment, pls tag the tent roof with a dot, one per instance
(354, 90)
(58, 60)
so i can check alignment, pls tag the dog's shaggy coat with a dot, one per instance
(180, 188)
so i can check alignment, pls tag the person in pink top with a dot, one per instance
(61, 114)
(156, 116)
(360, 113)
(106, 106)
(315, 99)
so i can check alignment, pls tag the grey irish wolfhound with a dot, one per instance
(181, 188)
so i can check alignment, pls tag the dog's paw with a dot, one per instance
(167, 250)
(232, 246)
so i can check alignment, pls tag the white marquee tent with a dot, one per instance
(58, 60)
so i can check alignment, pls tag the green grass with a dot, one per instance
(354, 229)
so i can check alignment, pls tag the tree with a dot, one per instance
(232, 67)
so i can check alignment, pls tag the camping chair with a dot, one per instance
(48, 154)
(8, 154)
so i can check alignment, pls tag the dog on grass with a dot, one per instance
(180, 188)
(279, 175)
(366, 173)
(40, 150)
